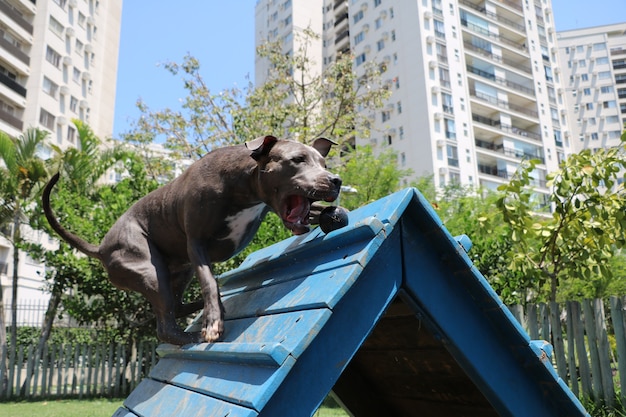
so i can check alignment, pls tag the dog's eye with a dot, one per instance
(298, 159)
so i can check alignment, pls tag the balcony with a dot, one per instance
(342, 36)
(493, 170)
(496, 124)
(510, 152)
(14, 50)
(12, 84)
(502, 39)
(505, 104)
(340, 19)
(487, 54)
(502, 81)
(16, 17)
(11, 120)
(494, 16)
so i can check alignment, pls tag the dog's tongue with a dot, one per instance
(296, 215)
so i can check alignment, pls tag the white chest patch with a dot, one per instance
(239, 223)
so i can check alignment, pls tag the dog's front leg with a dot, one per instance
(213, 314)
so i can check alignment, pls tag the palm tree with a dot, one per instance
(20, 178)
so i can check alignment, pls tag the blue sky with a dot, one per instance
(221, 35)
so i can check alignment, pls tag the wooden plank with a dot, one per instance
(545, 321)
(261, 353)
(518, 312)
(531, 314)
(290, 330)
(44, 372)
(20, 362)
(154, 398)
(590, 328)
(308, 290)
(571, 350)
(30, 363)
(557, 341)
(603, 353)
(617, 314)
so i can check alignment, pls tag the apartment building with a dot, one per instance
(593, 62)
(58, 62)
(476, 83)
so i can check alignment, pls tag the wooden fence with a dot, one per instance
(79, 371)
(589, 340)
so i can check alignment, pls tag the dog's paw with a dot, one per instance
(212, 333)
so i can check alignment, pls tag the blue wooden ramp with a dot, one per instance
(389, 313)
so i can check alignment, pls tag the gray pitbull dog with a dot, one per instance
(207, 214)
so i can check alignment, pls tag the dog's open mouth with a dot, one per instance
(295, 212)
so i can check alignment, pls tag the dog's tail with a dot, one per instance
(78, 243)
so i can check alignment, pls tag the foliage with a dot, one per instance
(296, 101)
(86, 292)
(586, 226)
(373, 176)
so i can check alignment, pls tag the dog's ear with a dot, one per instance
(323, 145)
(261, 146)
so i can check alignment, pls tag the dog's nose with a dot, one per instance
(336, 181)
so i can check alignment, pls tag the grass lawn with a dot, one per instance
(92, 408)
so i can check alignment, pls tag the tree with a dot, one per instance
(20, 179)
(295, 101)
(586, 226)
(81, 167)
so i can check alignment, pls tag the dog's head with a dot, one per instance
(291, 176)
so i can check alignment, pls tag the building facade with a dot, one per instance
(476, 86)
(594, 79)
(58, 62)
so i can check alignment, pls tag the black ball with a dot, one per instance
(333, 218)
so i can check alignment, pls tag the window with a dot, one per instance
(50, 87)
(360, 59)
(607, 89)
(358, 16)
(76, 75)
(46, 119)
(399, 107)
(584, 77)
(594, 136)
(61, 3)
(380, 45)
(73, 104)
(599, 46)
(612, 119)
(580, 49)
(587, 91)
(56, 27)
(611, 104)
(401, 132)
(71, 134)
(53, 57)
(396, 81)
(450, 129)
(377, 3)
(378, 22)
(603, 75)
(79, 47)
(81, 20)
(393, 35)
(589, 106)
(582, 63)
(359, 38)
(602, 60)
(386, 115)
(453, 156)
(614, 134)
